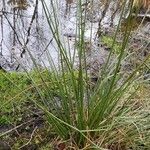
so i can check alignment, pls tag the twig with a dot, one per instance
(7, 12)
(106, 6)
(29, 139)
(13, 29)
(47, 46)
(16, 127)
(29, 29)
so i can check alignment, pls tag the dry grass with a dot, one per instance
(145, 4)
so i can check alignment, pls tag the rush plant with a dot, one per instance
(102, 116)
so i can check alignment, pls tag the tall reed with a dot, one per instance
(99, 115)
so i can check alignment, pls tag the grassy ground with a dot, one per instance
(23, 125)
(20, 116)
(67, 110)
(26, 125)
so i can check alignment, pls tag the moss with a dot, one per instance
(108, 41)
(19, 89)
(15, 89)
(9, 91)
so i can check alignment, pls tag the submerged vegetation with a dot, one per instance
(69, 107)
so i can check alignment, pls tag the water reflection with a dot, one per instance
(25, 31)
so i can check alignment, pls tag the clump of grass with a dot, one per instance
(102, 117)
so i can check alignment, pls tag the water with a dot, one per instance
(41, 43)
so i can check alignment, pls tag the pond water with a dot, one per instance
(17, 33)
(20, 37)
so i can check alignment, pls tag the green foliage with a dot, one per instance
(87, 113)
(17, 89)
(13, 87)
(10, 95)
(100, 116)
(108, 41)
